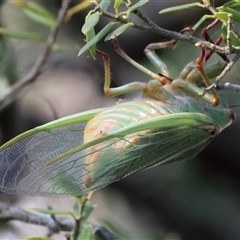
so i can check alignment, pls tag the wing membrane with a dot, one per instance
(54, 163)
(35, 148)
(66, 177)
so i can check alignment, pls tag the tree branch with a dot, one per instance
(54, 224)
(31, 76)
(8, 213)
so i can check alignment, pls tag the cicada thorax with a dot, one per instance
(116, 117)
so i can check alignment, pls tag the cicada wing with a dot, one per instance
(115, 158)
(31, 150)
(152, 149)
(55, 163)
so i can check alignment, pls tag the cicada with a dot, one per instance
(87, 151)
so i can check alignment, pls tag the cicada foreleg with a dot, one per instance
(207, 72)
(111, 92)
(193, 71)
(154, 58)
(187, 80)
(141, 86)
(217, 42)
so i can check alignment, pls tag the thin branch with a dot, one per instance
(56, 224)
(8, 213)
(209, 6)
(228, 86)
(229, 30)
(170, 34)
(178, 36)
(79, 220)
(213, 10)
(35, 70)
(223, 73)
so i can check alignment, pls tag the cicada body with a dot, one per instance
(87, 151)
(173, 139)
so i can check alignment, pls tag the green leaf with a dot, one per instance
(96, 38)
(104, 4)
(118, 31)
(115, 229)
(136, 6)
(203, 19)
(117, 4)
(235, 13)
(19, 35)
(87, 210)
(90, 35)
(77, 8)
(222, 16)
(37, 13)
(90, 22)
(50, 211)
(86, 233)
(76, 210)
(233, 3)
(235, 41)
(181, 7)
(64, 46)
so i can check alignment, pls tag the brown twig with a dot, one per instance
(56, 224)
(223, 73)
(34, 72)
(151, 26)
(8, 213)
(228, 86)
(79, 220)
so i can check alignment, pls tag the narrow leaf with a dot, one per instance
(50, 211)
(104, 4)
(181, 7)
(136, 6)
(96, 38)
(90, 35)
(37, 13)
(118, 31)
(90, 22)
(235, 41)
(203, 19)
(117, 4)
(235, 13)
(86, 233)
(88, 208)
(222, 16)
(234, 3)
(64, 46)
(19, 35)
(77, 8)
(76, 210)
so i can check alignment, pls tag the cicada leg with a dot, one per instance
(217, 42)
(192, 71)
(148, 88)
(187, 80)
(212, 70)
(111, 92)
(154, 58)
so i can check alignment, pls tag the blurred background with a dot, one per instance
(197, 199)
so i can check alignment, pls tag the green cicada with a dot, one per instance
(87, 151)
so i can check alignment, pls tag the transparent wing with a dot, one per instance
(33, 149)
(55, 164)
